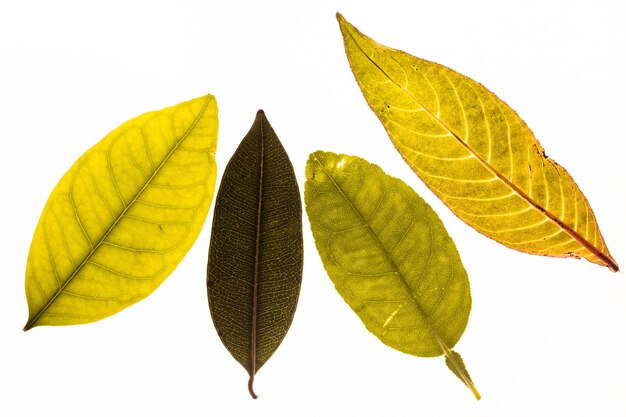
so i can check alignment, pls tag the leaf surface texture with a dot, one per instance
(124, 215)
(475, 153)
(389, 257)
(255, 257)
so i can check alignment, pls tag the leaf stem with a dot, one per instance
(460, 369)
(251, 388)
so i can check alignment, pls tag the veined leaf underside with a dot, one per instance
(389, 257)
(255, 257)
(475, 153)
(123, 216)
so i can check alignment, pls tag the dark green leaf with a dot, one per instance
(255, 257)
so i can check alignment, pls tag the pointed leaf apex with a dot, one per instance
(260, 119)
(612, 265)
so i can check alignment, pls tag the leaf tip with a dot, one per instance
(29, 325)
(351, 35)
(343, 23)
(260, 117)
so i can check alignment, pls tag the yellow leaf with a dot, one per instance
(124, 215)
(475, 153)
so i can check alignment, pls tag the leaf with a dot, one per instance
(389, 257)
(255, 258)
(124, 215)
(475, 153)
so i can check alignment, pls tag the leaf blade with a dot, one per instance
(475, 153)
(109, 233)
(256, 254)
(388, 255)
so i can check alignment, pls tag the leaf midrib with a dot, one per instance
(255, 283)
(607, 259)
(32, 321)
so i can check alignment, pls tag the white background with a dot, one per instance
(546, 337)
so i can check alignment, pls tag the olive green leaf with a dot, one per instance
(255, 257)
(124, 215)
(475, 153)
(389, 257)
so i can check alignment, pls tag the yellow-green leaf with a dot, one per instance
(389, 257)
(124, 215)
(475, 153)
